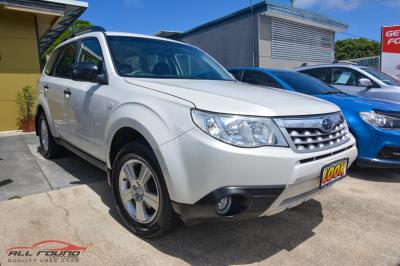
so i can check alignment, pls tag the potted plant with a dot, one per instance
(25, 103)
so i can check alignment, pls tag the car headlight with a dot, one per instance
(243, 131)
(380, 120)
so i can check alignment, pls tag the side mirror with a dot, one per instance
(364, 82)
(85, 71)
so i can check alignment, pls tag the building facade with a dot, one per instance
(27, 27)
(266, 35)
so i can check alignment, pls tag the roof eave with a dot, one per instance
(294, 14)
(305, 17)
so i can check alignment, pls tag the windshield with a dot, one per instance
(149, 58)
(385, 78)
(305, 84)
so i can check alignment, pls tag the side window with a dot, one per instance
(90, 51)
(63, 68)
(346, 76)
(48, 70)
(237, 74)
(258, 78)
(323, 74)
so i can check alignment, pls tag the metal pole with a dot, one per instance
(252, 33)
(292, 2)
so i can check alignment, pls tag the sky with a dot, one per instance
(364, 17)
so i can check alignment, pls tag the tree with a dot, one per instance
(356, 48)
(77, 25)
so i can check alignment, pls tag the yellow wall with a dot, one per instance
(19, 58)
(19, 61)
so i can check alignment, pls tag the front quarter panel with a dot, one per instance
(158, 117)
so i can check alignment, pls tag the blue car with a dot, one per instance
(374, 123)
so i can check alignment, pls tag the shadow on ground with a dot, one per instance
(221, 243)
(242, 242)
(376, 174)
(239, 242)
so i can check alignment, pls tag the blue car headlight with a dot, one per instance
(380, 120)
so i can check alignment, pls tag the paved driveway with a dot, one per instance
(23, 171)
(355, 222)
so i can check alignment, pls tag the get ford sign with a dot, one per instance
(391, 50)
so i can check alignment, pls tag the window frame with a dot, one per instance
(103, 71)
(56, 53)
(74, 43)
(79, 43)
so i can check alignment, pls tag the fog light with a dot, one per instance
(223, 205)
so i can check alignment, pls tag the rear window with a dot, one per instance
(305, 84)
(323, 74)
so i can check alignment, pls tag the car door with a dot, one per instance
(86, 104)
(259, 78)
(53, 86)
(347, 80)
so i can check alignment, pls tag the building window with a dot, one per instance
(295, 41)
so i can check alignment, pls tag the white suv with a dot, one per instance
(179, 137)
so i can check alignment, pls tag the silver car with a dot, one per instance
(179, 137)
(357, 80)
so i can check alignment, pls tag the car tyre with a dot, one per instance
(48, 147)
(140, 192)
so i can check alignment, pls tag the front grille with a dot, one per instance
(315, 133)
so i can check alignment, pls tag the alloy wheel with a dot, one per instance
(139, 191)
(44, 135)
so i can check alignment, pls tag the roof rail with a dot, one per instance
(85, 30)
(346, 62)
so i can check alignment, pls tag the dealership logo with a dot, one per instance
(47, 251)
(393, 36)
(327, 124)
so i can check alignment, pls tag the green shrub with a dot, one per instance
(26, 104)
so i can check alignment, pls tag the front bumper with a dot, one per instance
(378, 163)
(198, 167)
(377, 147)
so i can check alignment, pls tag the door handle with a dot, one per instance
(46, 89)
(67, 93)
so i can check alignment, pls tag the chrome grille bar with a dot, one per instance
(314, 133)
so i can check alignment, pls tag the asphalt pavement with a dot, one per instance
(354, 222)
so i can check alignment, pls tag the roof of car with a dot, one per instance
(123, 34)
(261, 69)
(328, 65)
